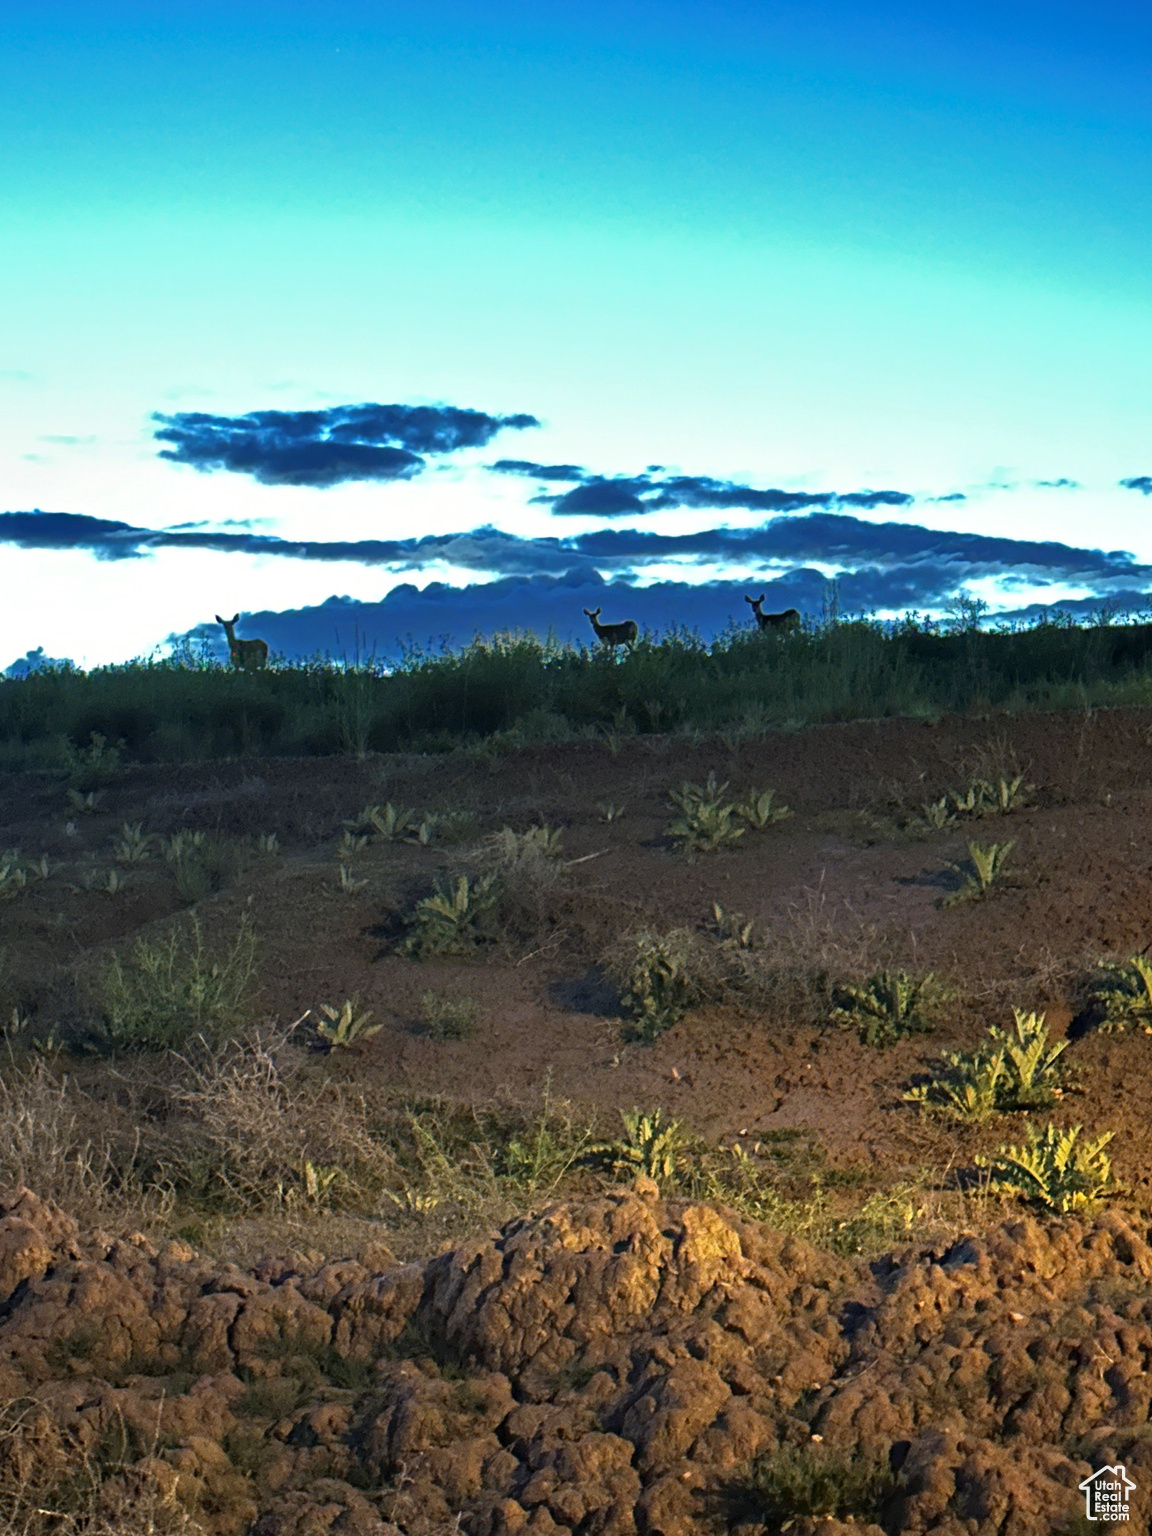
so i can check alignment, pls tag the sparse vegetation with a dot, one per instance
(890, 1006)
(173, 990)
(760, 811)
(1056, 1168)
(134, 845)
(450, 1018)
(203, 865)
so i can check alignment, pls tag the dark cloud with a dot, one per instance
(1063, 484)
(538, 471)
(631, 495)
(1142, 483)
(952, 496)
(324, 448)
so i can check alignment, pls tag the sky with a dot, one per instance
(399, 323)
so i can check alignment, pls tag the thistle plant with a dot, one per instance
(1055, 1169)
(340, 1028)
(134, 846)
(387, 821)
(733, 929)
(1123, 991)
(651, 1146)
(937, 816)
(991, 797)
(13, 875)
(451, 920)
(889, 1006)
(1016, 1069)
(759, 811)
(987, 864)
(706, 819)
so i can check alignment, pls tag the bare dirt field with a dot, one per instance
(901, 1349)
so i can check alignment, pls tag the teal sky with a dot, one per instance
(813, 248)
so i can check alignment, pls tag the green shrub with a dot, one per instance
(173, 990)
(342, 1027)
(1055, 1169)
(889, 1006)
(203, 865)
(91, 766)
(759, 810)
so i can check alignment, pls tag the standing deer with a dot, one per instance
(771, 622)
(613, 634)
(247, 654)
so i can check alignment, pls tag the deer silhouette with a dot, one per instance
(772, 622)
(613, 634)
(246, 654)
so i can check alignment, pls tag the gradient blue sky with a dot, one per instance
(814, 247)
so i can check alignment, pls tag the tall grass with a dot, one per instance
(172, 711)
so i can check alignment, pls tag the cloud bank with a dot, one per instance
(326, 448)
(880, 567)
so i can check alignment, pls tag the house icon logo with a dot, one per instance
(1107, 1494)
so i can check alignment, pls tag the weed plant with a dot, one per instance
(890, 1006)
(455, 919)
(204, 865)
(1055, 1169)
(652, 1146)
(1120, 995)
(339, 1028)
(450, 1018)
(174, 990)
(1016, 1069)
(987, 864)
(706, 820)
(655, 974)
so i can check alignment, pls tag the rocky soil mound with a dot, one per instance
(619, 1364)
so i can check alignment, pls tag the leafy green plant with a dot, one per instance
(268, 845)
(706, 818)
(174, 989)
(651, 1145)
(813, 1481)
(135, 844)
(970, 1087)
(609, 811)
(759, 811)
(1122, 994)
(450, 1018)
(1055, 1169)
(1030, 1061)
(987, 864)
(348, 882)
(657, 986)
(537, 842)
(452, 920)
(991, 797)
(1016, 1069)
(889, 1006)
(342, 1027)
(350, 844)
(387, 821)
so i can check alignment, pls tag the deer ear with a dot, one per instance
(219, 620)
(748, 599)
(235, 619)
